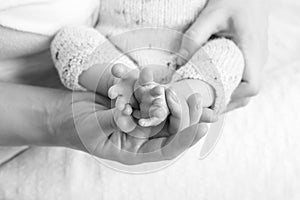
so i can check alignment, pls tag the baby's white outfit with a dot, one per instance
(141, 33)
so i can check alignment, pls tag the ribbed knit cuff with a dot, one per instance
(76, 49)
(220, 63)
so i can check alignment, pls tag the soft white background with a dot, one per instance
(257, 157)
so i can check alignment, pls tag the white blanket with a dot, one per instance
(257, 157)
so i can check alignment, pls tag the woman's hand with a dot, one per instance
(243, 21)
(80, 123)
(39, 116)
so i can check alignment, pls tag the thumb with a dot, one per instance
(207, 24)
(95, 128)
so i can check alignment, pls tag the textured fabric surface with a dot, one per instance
(73, 49)
(257, 157)
(117, 17)
(222, 69)
(76, 49)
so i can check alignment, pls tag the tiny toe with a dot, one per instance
(113, 92)
(127, 110)
(159, 102)
(139, 91)
(126, 124)
(146, 76)
(145, 122)
(149, 122)
(157, 91)
(158, 113)
(119, 70)
(121, 103)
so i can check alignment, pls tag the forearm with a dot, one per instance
(24, 115)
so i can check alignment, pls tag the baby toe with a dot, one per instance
(121, 103)
(113, 92)
(124, 122)
(127, 110)
(136, 114)
(158, 113)
(119, 70)
(157, 91)
(146, 76)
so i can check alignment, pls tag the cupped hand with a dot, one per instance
(243, 21)
(86, 122)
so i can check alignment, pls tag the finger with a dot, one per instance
(97, 98)
(175, 111)
(127, 110)
(207, 24)
(195, 108)
(173, 103)
(157, 103)
(152, 150)
(157, 116)
(121, 102)
(119, 70)
(245, 89)
(237, 104)
(252, 75)
(168, 148)
(146, 76)
(114, 91)
(157, 91)
(124, 122)
(208, 116)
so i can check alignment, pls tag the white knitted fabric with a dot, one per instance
(76, 49)
(220, 63)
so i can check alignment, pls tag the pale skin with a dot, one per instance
(153, 108)
(39, 116)
(33, 115)
(139, 100)
(247, 27)
(246, 23)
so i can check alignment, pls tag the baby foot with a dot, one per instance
(153, 109)
(122, 91)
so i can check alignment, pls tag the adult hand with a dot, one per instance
(245, 22)
(82, 124)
